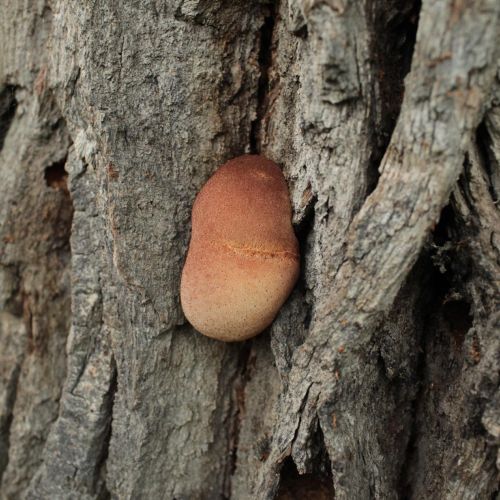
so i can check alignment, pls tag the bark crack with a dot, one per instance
(405, 486)
(8, 106)
(393, 36)
(237, 411)
(11, 390)
(489, 163)
(265, 62)
(316, 483)
(101, 462)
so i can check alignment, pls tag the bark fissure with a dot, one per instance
(56, 176)
(245, 366)
(304, 229)
(100, 469)
(393, 36)
(8, 105)
(265, 57)
(315, 485)
(489, 162)
(433, 292)
(6, 420)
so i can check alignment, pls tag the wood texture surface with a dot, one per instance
(380, 376)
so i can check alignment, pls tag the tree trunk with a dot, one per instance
(380, 376)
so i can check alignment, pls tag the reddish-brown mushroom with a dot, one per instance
(243, 257)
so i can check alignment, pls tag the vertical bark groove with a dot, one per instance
(8, 105)
(489, 162)
(393, 36)
(6, 419)
(265, 58)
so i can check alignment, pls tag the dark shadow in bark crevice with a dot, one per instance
(488, 160)
(11, 393)
(434, 286)
(303, 229)
(265, 61)
(8, 106)
(317, 485)
(246, 361)
(56, 176)
(447, 320)
(393, 35)
(100, 486)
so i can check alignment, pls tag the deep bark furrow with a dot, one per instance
(8, 105)
(238, 411)
(265, 57)
(7, 405)
(393, 34)
(100, 485)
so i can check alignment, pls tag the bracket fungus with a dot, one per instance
(243, 257)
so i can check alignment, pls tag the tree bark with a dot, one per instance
(380, 377)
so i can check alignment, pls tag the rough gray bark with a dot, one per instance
(380, 378)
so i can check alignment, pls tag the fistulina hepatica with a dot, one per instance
(243, 257)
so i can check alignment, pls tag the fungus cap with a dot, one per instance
(243, 257)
